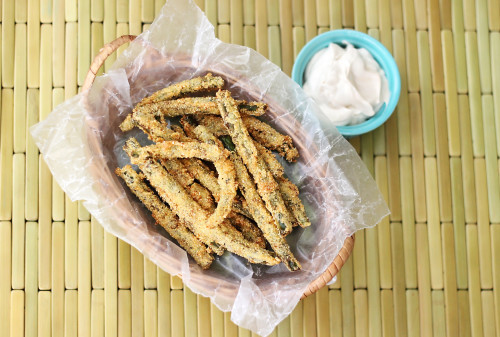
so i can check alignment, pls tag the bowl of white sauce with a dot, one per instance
(352, 77)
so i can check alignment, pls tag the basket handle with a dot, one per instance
(104, 52)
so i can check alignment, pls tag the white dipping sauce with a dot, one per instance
(347, 83)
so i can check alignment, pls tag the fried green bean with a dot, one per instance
(262, 217)
(208, 179)
(178, 129)
(150, 125)
(270, 138)
(290, 194)
(191, 212)
(263, 133)
(213, 123)
(188, 127)
(199, 193)
(197, 84)
(204, 198)
(249, 230)
(165, 217)
(128, 123)
(199, 105)
(272, 163)
(181, 173)
(288, 190)
(266, 185)
(225, 168)
(136, 154)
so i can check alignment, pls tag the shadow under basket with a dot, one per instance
(346, 249)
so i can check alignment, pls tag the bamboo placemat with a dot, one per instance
(431, 269)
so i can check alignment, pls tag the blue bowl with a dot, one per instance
(379, 53)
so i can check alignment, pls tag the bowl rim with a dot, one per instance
(379, 53)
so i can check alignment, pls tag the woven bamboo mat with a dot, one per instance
(431, 269)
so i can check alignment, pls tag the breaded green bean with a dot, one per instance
(266, 185)
(213, 123)
(200, 105)
(263, 133)
(204, 175)
(288, 190)
(204, 198)
(290, 194)
(178, 129)
(128, 123)
(165, 217)
(262, 217)
(208, 179)
(199, 193)
(194, 215)
(175, 149)
(188, 127)
(249, 230)
(225, 168)
(136, 154)
(175, 167)
(270, 138)
(150, 125)
(197, 84)
(272, 163)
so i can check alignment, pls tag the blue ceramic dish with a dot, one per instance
(379, 53)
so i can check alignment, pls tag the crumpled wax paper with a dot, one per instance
(81, 144)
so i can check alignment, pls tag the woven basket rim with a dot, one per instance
(346, 250)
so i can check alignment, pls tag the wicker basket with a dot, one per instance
(344, 252)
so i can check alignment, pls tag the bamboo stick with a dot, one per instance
(31, 280)
(110, 285)
(97, 313)
(361, 313)
(476, 121)
(429, 137)
(433, 223)
(97, 254)
(476, 312)
(467, 160)
(399, 289)
(70, 315)
(408, 224)
(164, 313)
(413, 315)
(17, 313)
(137, 291)
(33, 44)
(84, 279)
(57, 278)
(6, 154)
(177, 314)
(383, 230)
(123, 265)
(124, 313)
(8, 44)
(483, 227)
(150, 313)
(43, 318)
(71, 245)
(20, 88)
(418, 158)
(18, 221)
(424, 281)
(5, 277)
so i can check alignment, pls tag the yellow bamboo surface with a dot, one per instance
(430, 269)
